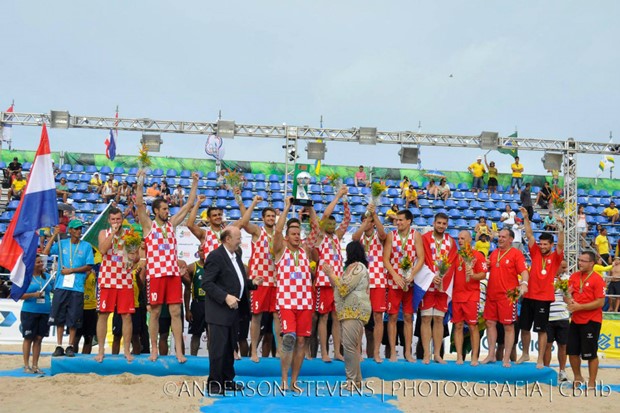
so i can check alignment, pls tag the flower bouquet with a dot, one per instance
(144, 161)
(563, 286)
(556, 200)
(376, 189)
(405, 265)
(131, 242)
(234, 180)
(513, 295)
(336, 181)
(443, 265)
(467, 255)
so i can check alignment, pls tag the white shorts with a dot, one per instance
(432, 312)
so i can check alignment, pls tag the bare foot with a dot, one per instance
(153, 356)
(439, 360)
(309, 356)
(540, 365)
(394, 358)
(181, 358)
(284, 386)
(578, 382)
(295, 387)
(506, 364)
(339, 357)
(459, 361)
(255, 358)
(326, 358)
(99, 358)
(378, 359)
(129, 357)
(523, 359)
(474, 363)
(489, 359)
(426, 360)
(409, 358)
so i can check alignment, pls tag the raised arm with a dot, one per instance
(357, 235)
(528, 227)
(330, 208)
(143, 215)
(560, 246)
(346, 220)
(310, 241)
(178, 218)
(244, 222)
(278, 237)
(191, 221)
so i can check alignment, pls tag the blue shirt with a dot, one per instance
(30, 305)
(72, 256)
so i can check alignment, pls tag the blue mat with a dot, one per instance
(270, 367)
(20, 373)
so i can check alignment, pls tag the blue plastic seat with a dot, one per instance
(462, 204)
(420, 222)
(171, 173)
(457, 195)
(349, 181)
(483, 196)
(274, 178)
(438, 203)
(328, 189)
(132, 171)
(105, 170)
(461, 223)
(211, 175)
(91, 169)
(66, 168)
(277, 196)
(119, 170)
(454, 213)
(259, 177)
(275, 186)
(496, 197)
(423, 202)
(221, 203)
(481, 213)
(316, 189)
(85, 177)
(76, 168)
(463, 186)
(427, 212)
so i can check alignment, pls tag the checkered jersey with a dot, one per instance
(212, 241)
(329, 252)
(374, 254)
(161, 253)
(294, 289)
(113, 273)
(430, 245)
(261, 262)
(397, 254)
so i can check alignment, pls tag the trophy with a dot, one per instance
(300, 186)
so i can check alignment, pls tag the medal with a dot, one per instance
(460, 268)
(544, 272)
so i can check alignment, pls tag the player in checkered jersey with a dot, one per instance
(115, 282)
(437, 244)
(293, 295)
(163, 278)
(263, 299)
(371, 235)
(330, 251)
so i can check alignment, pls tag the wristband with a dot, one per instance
(523, 282)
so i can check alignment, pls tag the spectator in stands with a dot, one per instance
(165, 191)
(611, 212)
(517, 175)
(526, 199)
(95, 184)
(130, 213)
(152, 192)
(62, 190)
(544, 195)
(432, 189)
(550, 223)
(221, 180)
(493, 174)
(478, 171)
(443, 189)
(17, 187)
(14, 167)
(602, 245)
(404, 185)
(483, 243)
(517, 229)
(411, 196)
(124, 193)
(360, 177)
(614, 286)
(508, 217)
(482, 228)
(109, 190)
(390, 215)
(555, 177)
(178, 196)
(582, 225)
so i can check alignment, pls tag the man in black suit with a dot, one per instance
(227, 288)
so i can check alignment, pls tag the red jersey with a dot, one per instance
(504, 275)
(161, 251)
(463, 291)
(585, 289)
(398, 252)
(433, 250)
(261, 262)
(374, 254)
(331, 253)
(294, 289)
(542, 274)
(114, 273)
(212, 241)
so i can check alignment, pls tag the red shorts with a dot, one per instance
(378, 300)
(121, 298)
(325, 300)
(264, 300)
(435, 299)
(467, 312)
(296, 321)
(502, 311)
(396, 297)
(164, 290)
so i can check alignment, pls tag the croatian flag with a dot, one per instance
(37, 209)
(110, 147)
(421, 282)
(6, 128)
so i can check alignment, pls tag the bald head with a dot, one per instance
(231, 238)
(464, 238)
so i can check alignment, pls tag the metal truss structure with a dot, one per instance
(292, 134)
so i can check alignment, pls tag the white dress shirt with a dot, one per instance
(233, 258)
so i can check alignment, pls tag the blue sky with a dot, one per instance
(548, 67)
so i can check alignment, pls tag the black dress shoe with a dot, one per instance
(234, 386)
(215, 388)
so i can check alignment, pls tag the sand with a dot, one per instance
(127, 392)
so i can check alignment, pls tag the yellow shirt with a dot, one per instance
(95, 181)
(477, 169)
(610, 212)
(18, 185)
(517, 170)
(483, 247)
(411, 194)
(603, 244)
(90, 292)
(555, 174)
(492, 172)
(390, 213)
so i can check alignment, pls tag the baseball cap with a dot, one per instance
(479, 158)
(75, 223)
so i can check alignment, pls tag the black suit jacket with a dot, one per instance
(221, 279)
